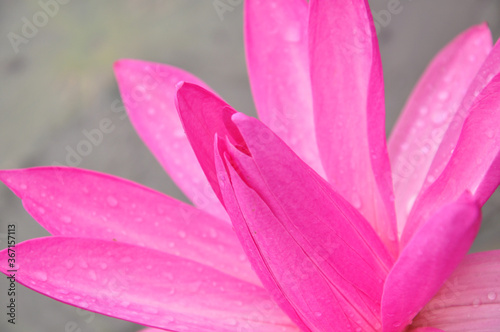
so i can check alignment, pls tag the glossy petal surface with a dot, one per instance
(489, 69)
(203, 114)
(429, 111)
(470, 299)
(474, 165)
(148, 91)
(340, 261)
(79, 203)
(278, 66)
(145, 286)
(349, 110)
(427, 261)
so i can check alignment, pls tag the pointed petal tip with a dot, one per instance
(7, 177)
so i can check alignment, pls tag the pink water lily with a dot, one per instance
(304, 221)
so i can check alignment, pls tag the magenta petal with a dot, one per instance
(427, 261)
(474, 164)
(278, 66)
(148, 91)
(287, 215)
(349, 110)
(470, 299)
(203, 114)
(430, 109)
(81, 203)
(489, 69)
(426, 329)
(142, 285)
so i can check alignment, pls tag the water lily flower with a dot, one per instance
(305, 220)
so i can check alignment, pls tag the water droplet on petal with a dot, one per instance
(492, 296)
(112, 201)
(150, 310)
(476, 303)
(40, 275)
(356, 201)
(182, 234)
(213, 233)
(439, 117)
(66, 219)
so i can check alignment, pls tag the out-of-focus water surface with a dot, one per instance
(59, 82)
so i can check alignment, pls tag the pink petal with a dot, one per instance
(427, 329)
(349, 110)
(427, 261)
(80, 203)
(203, 114)
(278, 66)
(148, 91)
(150, 330)
(489, 69)
(430, 109)
(470, 299)
(142, 285)
(474, 165)
(288, 216)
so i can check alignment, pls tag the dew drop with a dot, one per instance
(293, 34)
(318, 314)
(443, 95)
(476, 303)
(213, 233)
(150, 310)
(66, 219)
(151, 111)
(439, 117)
(23, 186)
(490, 133)
(40, 275)
(423, 110)
(356, 201)
(41, 210)
(112, 201)
(492, 296)
(182, 234)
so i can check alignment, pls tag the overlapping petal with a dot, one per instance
(489, 69)
(278, 66)
(427, 261)
(79, 203)
(142, 285)
(148, 92)
(470, 299)
(474, 165)
(349, 110)
(282, 203)
(340, 262)
(431, 107)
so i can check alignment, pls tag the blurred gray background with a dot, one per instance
(61, 83)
